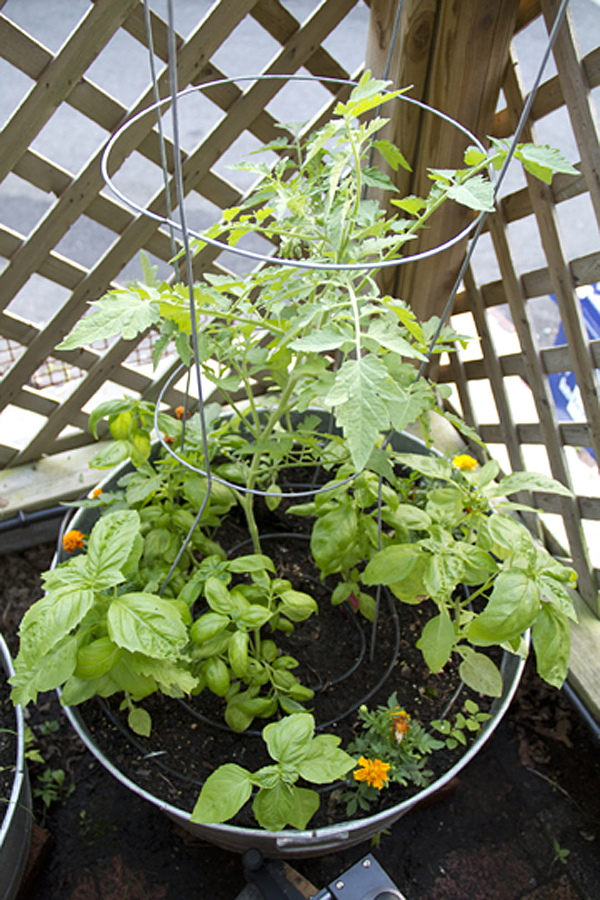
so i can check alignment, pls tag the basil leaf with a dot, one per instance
(146, 624)
(111, 541)
(437, 641)
(551, 635)
(287, 741)
(223, 794)
(512, 608)
(480, 673)
(274, 806)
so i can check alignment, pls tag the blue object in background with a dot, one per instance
(564, 387)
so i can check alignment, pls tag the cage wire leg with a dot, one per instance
(161, 136)
(165, 174)
(172, 48)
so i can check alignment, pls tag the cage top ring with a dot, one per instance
(274, 259)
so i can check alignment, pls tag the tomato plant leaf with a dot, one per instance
(476, 193)
(359, 392)
(124, 313)
(392, 155)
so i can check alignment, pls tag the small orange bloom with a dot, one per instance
(373, 771)
(400, 724)
(179, 412)
(96, 493)
(168, 439)
(72, 540)
(465, 462)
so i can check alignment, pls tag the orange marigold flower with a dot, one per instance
(168, 439)
(373, 771)
(179, 412)
(96, 493)
(400, 724)
(465, 462)
(72, 540)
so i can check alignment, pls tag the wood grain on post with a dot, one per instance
(456, 56)
(409, 65)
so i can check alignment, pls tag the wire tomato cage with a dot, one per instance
(188, 233)
(473, 230)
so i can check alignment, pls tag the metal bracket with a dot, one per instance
(366, 880)
(269, 882)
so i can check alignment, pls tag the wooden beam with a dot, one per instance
(48, 482)
(584, 668)
(456, 55)
(407, 63)
(528, 11)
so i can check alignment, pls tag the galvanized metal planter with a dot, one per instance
(311, 842)
(15, 827)
(319, 841)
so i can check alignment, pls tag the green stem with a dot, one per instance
(227, 318)
(230, 402)
(247, 499)
(241, 371)
(482, 588)
(356, 316)
(247, 503)
(358, 189)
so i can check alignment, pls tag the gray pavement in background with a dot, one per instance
(69, 139)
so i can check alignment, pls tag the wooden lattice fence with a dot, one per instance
(61, 79)
(576, 352)
(492, 386)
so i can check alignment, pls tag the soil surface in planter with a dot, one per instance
(522, 821)
(188, 740)
(333, 648)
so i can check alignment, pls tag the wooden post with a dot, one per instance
(455, 55)
(409, 65)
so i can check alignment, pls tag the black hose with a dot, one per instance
(24, 520)
(583, 712)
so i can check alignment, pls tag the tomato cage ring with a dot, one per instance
(274, 259)
(279, 495)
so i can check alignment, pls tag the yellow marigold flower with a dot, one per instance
(96, 493)
(72, 540)
(400, 724)
(465, 462)
(373, 771)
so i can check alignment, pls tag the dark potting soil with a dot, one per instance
(189, 739)
(494, 836)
